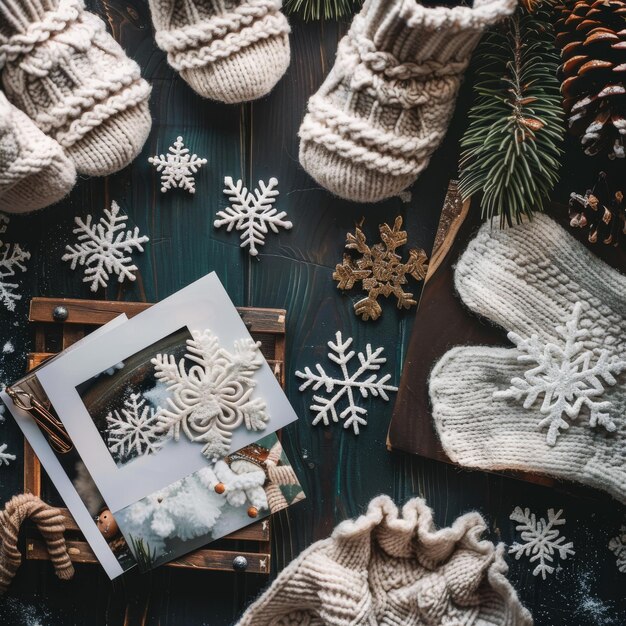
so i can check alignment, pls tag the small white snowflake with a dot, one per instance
(12, 257)
(5, 457)
(102, 247)
(133, 430)
(617, 545)
(177, 167)
(251, 213)
(212, 397)
(564, 374)
(540, 539)
(326, 408)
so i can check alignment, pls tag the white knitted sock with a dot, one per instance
(34, 171)
(227, 50)
(386, 104)
(531, 280)
(62, 68)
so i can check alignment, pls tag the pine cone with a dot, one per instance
(592, 39)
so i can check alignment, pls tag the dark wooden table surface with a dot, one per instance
(340, 471)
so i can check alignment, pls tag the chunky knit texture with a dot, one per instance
(528, 279)
(49, 521)
(387, 569)
(387, 102)
(34, 171)
(62, 68)
(227, 50)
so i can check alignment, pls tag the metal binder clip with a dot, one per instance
(54, 429)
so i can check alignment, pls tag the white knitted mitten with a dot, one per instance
(227, 50)
(556, 403)
(387, 102)
(62, 68)
(34, 171)
(392, 567)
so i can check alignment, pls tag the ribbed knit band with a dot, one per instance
(394, 567)
(20, 14)
(533, 280)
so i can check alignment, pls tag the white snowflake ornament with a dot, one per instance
(177, 167)
(103, 248)
(617, 545)
(326, 408)
(212, 397)
(12, 258)
(133, 430)
(566, 376)
(540, 539)
(252, 213)
(5, 457)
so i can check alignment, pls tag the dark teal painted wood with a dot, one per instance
(340, 471)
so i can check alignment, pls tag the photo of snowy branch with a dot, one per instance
(227, 495)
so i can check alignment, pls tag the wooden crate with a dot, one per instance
(83, 316)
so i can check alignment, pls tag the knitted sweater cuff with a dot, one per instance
(19, 15)
(409, 33)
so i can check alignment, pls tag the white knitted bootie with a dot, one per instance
(387, 102)
(227, 50)
(63, 69)
(556, 402)
(34, 171)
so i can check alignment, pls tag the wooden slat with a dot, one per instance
(222, 560)
(32, 471)
(99, 312)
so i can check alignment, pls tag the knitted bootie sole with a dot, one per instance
(112, 145)
(240, 77)
(347, 179)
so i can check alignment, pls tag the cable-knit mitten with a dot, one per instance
(62, 68)
(34, 171)
(227, 50)
(387, 102)
(556, 402)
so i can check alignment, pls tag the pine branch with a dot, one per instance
(310, 10)
(511, 148)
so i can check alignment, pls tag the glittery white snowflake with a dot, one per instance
(177, 167)
(102, 248)
(240, 482)
(5, 457)
(12, 257)
(617, 545)
(133, 430)
(251, 212)
(326, 408)
(564, 374)
(212, 397)
(540, 539)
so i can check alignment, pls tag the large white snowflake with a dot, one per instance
(540, 539)
(212, 397)
(326, 408)
(251, 212)
(12, 257)
(102, 248)
(617, 545)
(133, 430)
(566, 377)
(177, 167)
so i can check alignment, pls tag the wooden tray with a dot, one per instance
(60, 322)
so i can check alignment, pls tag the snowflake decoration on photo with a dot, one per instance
(540, 539)
(380, 269)
(12, 258)
(133, 430)
(326, 408)
(617, 545)
(102, 248)
(177, 167)
(212, 397)
(564, 374)
(251, 212)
